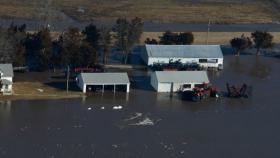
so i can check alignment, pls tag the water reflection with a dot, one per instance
(5, 111)
(260, 68)
(237, 65)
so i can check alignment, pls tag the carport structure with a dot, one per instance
(103, 79)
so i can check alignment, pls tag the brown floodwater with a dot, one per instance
(152, 125)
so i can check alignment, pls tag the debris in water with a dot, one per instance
(146, 122)
(77, 126)
(89, 108)
(115, 145)
(138, 114)
(182, 152)
(117, 107)
(138, 119)
(102, 107)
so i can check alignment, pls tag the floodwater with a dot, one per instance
(152, 125)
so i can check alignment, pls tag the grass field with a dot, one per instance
(172, 11)
(222, 38)
(214, 37)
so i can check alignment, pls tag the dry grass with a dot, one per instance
(31, 91)
(214, 37)
(200, 37)
(172, 11)
(225, 11)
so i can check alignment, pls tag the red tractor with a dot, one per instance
(200, 93)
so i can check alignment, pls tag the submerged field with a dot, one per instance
(152, 125)
(168, 11)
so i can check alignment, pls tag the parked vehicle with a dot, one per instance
(175, 66)
(75, 71)
(200, 93)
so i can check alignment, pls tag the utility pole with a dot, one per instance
(67, 81)
(208, 31)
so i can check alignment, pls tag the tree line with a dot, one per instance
(259, 40)
(172, 38)
(74, 47)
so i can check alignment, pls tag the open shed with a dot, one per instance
(174, 81)
(102, 81)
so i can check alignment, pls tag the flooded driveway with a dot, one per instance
(152, 125)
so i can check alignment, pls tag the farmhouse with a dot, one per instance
(208, 56)
(174, 81)
(6, 78)
(103, 81)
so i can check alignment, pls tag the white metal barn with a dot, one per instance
(6, 78)
(204, 55)
(115, 80)
(174, 81)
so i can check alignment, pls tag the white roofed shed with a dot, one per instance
(103, 79)
(174, 81)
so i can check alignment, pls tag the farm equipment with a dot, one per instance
(75, 71)
(238, 92)
(200, 93)
(175, 66)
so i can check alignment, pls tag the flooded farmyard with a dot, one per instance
(146, 124)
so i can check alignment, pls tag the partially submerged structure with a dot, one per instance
(6, 78)
(175, 81)
(102, 81)
(208, 56)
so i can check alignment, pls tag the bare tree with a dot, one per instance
(76, 51)
(127, 34)
(71, 43)
(262, 39)
(240, 43)
(92, 35)
(105, 42)
(171, 38)
(12, 45)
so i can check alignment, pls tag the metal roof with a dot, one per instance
(184, 51)
(182, 76)
(7, 70)
(105, 78)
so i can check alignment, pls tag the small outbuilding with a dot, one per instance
(103, 81)
(6, 78)
(175, 81)
(209, 56)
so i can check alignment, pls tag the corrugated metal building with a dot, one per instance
(204, 55)
(174, 81)
(87, 80)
